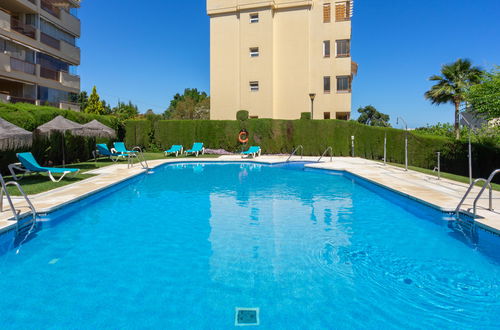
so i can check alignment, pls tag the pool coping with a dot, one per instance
(133, 172)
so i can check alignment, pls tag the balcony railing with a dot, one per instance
(50, 41)
(49, 73)
(26, 29)
(50, 8)
(22, 66)
(15, 99)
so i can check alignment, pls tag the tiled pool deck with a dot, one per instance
(443, 194)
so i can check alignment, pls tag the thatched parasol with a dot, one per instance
(63, 125)
(13, 137)
(99, 130)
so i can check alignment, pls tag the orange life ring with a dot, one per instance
(243, 136)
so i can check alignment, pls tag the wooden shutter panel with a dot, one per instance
(327, 13)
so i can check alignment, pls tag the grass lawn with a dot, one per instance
(38, 183)
(454, 177)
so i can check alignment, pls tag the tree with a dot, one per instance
(126, 110)
(82, 99)
(190, 105)
(94, 104)
(370, 116)
(485, 97)
(452, 86)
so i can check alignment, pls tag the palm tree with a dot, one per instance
(452, 85)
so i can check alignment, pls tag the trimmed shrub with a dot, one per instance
(242, 115)
(305, 115)
(281, 136)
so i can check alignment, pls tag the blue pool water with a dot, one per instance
(184, 247)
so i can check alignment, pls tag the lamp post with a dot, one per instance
(470, 148)
(312, 96)
(406, 141)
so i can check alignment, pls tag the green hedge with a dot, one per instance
(48, 150)
(281, 136)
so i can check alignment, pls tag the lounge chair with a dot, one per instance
(253, 151)
(122, 149)
(175, 149)
(103, 150)
(31, 165)
(196, 149)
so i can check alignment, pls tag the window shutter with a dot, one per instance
(327, 13)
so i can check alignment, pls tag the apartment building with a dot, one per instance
(38, 52)
(279, 58)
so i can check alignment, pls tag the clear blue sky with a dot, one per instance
(148, 51)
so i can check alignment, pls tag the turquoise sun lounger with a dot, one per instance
(175, 149)
(253, 151)
(196, 149)
(103, 150)
(121, 148)
(31, 165)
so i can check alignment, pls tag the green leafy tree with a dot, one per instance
(452, 86)
(82, 99)
(126, 110)
(370, 116)
(193, 104)
(94, 104)
(485, 97)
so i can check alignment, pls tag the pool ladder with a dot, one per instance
(140, 157)
(329, 149)
(23, 224)
(301, 148)
(487, 184)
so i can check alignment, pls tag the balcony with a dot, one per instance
(50, 41)
(26, 29)
(69, 80)
(49, 74)
(15, 99)
(50, 8)
(22, 66)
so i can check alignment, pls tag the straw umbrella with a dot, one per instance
(13, 137)
(62, 125)
(95, 128)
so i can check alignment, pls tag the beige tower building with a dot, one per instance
(38, 52)
(269, 56)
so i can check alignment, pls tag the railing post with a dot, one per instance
(385, 148)
(439, 165)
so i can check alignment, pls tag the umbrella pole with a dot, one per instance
(63, 158)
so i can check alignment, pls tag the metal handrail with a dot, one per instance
(140, 158)
(295, 151)
(11, 204)
(488, 182)
(457, 210)
(324, 153)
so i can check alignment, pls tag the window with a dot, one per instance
(343, 83)
(326, 84)
(342, 115)
(326, 48)
(343, 48)
(342, 11)
(326, 115)
(327, 13)
(254, 52)
(254, 18)
(254, 86)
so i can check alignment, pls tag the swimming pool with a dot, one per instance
(188, 245)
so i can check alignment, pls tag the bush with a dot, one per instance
(305, 115)
(281, 136)
(242, 115)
